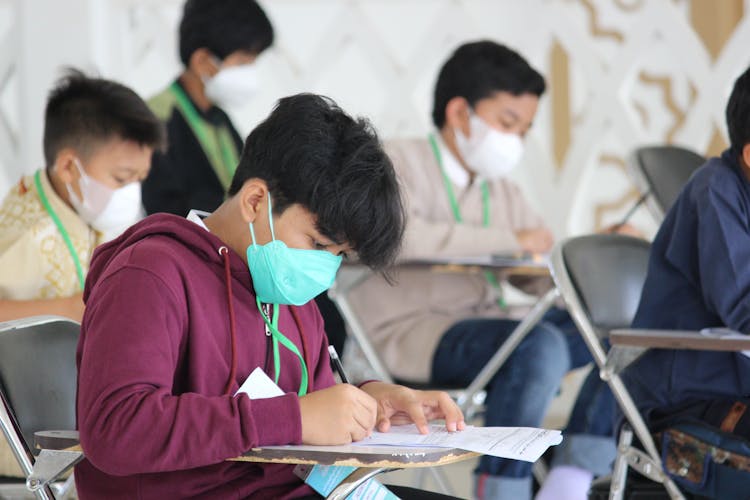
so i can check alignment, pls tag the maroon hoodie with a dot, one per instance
(156, 414)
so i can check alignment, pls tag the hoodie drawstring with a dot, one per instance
(224, 252)
(298, 322)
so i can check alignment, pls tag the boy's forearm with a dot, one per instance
(153, 431)
(70, 307)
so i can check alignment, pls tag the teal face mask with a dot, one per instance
(291, 276)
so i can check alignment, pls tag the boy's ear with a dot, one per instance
(746, 154)
(65, 167)
(202, 62)
(457, 114)
(252, 198)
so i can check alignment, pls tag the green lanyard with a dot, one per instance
(220, 149)
(277, 336)
(60, 227)
(489, 276)
(452, 196)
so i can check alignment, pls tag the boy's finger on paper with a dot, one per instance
(416, 413)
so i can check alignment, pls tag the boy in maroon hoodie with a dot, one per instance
(180, 312)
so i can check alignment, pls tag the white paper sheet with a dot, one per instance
(259, 386)
(517, 443)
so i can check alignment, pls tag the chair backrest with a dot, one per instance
(38, 373)
(664, 170)
(600, 277)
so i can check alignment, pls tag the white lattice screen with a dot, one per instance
(623, 73)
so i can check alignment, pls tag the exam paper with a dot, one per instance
(517, 443)
(259, 386)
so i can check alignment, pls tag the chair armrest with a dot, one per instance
(704, 340)
(56, 440)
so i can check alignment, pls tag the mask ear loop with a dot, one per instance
(270, 223)
(83, 180)
(270, 217)
(84, 176)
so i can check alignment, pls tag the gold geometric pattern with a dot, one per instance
(35, 262)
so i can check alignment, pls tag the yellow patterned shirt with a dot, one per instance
(35, 262)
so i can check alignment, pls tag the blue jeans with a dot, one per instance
(520, 393)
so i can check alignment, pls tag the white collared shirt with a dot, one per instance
(452, 167)
(196, 216)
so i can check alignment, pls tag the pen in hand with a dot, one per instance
(336, 362)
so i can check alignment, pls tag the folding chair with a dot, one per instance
(600, 278)
(38, 389)
(660, 172)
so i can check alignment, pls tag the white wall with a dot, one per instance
(638, 73)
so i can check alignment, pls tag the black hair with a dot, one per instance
(309, 151)
(478, 70)
(738, 113)
(83, 112)
(223, 27)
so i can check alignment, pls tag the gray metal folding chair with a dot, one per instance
(660, 172)
(38, 389)
(600, 277)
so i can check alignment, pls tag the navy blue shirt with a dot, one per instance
(698, 277)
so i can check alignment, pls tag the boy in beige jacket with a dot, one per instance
(442, 328)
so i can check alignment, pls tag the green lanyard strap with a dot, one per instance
(60, 228)
(452, 196)
(488, 275)
(277, 336)
(220, 149)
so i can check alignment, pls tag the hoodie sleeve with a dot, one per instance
(128, 418)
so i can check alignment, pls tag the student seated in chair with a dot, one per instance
(442, 328)
(219, 42)
(180, 311)
(98, 139)
(699, 277)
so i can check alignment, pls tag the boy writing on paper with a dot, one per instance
(180, 312)
(698, 277)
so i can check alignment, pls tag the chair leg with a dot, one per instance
(640, 429)
(441, 481)
(620, 471)
(540, 470)
(419, 478)
(489, 370)
(63, 489)
(357, 478)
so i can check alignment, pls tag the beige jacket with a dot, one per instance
(406, 321)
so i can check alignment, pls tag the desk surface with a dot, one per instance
(519, 264)
(357, 456)
(497, 261)
(678, 339)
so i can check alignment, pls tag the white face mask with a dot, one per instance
(105, 209)
(490, 153)
(232, 86)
